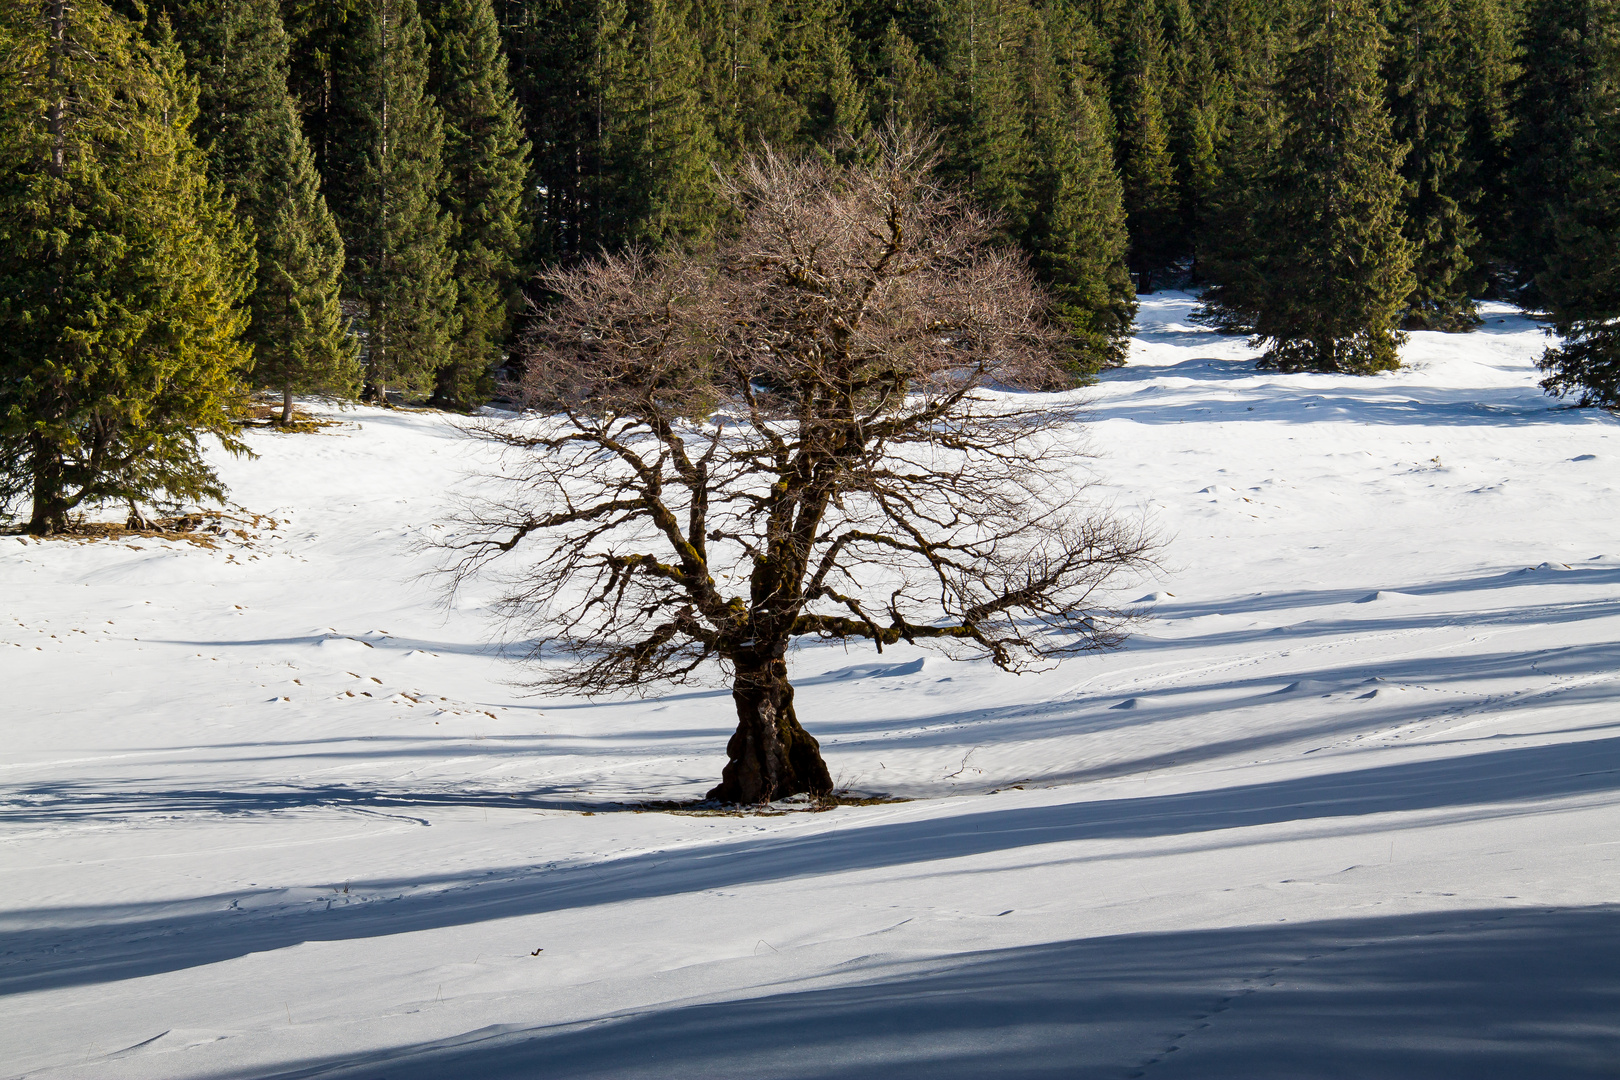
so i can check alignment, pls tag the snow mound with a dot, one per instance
(876, 671)
(1309, 686)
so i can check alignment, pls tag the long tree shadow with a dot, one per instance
(55, 947)
(1368, 710)
(1409, 997)
(1602, 574)
(69, 801)
(1376, 401)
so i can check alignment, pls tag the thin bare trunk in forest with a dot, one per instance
(55, 116)
(286, 405)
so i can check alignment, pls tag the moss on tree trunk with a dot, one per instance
(770, 755)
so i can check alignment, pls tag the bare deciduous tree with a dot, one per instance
(811, 429)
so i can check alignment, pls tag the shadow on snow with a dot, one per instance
(1499, 993)
(97, 944)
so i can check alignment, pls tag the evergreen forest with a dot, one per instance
(206, 199)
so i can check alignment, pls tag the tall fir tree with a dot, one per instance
(122, 272)
(550, 47)
(1489, 62)
(655, 152)
(386, 189)
(486, 164)
(1152, 202)
(744, 96)
(1076, 234)
(1329, 271)
(987, 146)
(248, 124)
(905, 85)
(318, 31)
(1199, 129)
(839, 118)
(1555, 108)
(1428, 100)
(812, 61)
(1580, 284)
(1232, 234)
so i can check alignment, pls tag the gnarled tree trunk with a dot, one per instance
(771, 756)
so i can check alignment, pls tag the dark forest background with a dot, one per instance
(1125, 144)
(363, 192)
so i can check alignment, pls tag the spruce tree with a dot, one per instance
(811, 59)
(1199, 129)
(987, 147)
(386, 190)
(1232, 235)
(744, 96)
(1580, 284)
(1581, 287)
(905, 87)
(319, 31)
(122, 271)
(1076, 232)
(1556, 115)
(1425, 72)
(1489, 63)
(1328, 273)
(486, 166)
(248, 124)
(550, 47)
(1152, 203)
(655, 150)
(839, 118)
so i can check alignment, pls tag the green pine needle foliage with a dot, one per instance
(655, 150)
(387, 170)
(1152, 201)
(248, 123)
(1489, 60)
(745, 97)
(987, 144)
(1581, 281)
(1325, 271)
(123, 273)
(486, 159)
(1076, 233)
(1556, 109)
(1428, 94)
(905, 85)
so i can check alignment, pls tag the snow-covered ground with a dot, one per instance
(1348, 805)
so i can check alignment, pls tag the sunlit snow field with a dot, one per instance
(1347, 805)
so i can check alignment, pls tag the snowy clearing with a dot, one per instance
(1347, 805)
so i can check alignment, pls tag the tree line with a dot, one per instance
(206, 197)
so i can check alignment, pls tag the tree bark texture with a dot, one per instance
(769, 756)
(50, 508)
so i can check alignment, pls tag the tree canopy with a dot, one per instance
(790, 434)
(122, 289)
